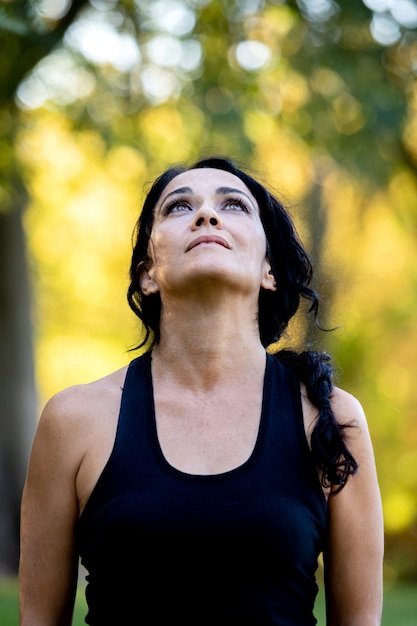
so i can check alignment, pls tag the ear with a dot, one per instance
(268, 278)
(147, 281)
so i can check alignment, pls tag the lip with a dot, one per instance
(208, 239)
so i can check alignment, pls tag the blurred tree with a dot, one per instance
(23, 42)
(319, 95)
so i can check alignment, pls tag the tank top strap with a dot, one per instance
(286, 443)
(282, 401)
(136, 406)
(131, 437)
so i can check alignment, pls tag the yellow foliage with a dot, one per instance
(76, 358)
(125, 163)
(327, 83)
(170, 136)
(283, 92)
(403, 193)
(281, 157)
(407, 468)
(258, 126)
(84, 202)
(400, 509)
(371, 248)
(271, 26)
(348, 117)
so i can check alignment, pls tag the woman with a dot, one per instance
(201, 483)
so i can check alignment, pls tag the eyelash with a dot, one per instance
(239, 202)
(176, 203)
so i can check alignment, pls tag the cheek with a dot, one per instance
(255, 246)
(155, 244)
(161, 247)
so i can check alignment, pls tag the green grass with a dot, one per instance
(9, 604)
(400, 605)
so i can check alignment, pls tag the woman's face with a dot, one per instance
(207, 231)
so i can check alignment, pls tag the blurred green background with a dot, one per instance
(317, 98)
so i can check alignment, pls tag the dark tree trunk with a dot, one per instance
(18, 405)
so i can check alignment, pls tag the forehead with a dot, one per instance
(206, 181)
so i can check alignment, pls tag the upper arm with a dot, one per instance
(48, 562)
(354, 553)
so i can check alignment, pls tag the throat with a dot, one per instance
(204, 368)
(206, 328)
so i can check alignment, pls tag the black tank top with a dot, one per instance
(240, 548)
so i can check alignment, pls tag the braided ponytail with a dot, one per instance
(329, 450)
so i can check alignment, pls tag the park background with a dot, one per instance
(316, 98)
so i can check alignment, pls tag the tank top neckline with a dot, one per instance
(235, 471)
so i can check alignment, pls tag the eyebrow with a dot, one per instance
(176, 192)
(220, 191)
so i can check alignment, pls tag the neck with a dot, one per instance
(203, 343)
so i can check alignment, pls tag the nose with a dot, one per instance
(205, 216)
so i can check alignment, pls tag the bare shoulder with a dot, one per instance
(349, 412)
(75, 416)
(346, 407)
(75, 434)
(78, 404)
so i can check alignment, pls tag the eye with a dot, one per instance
(177, 206)
(235, 204)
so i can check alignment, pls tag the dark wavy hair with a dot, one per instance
(289, 261)
(293, 272)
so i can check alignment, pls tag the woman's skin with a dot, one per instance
(208, 262)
